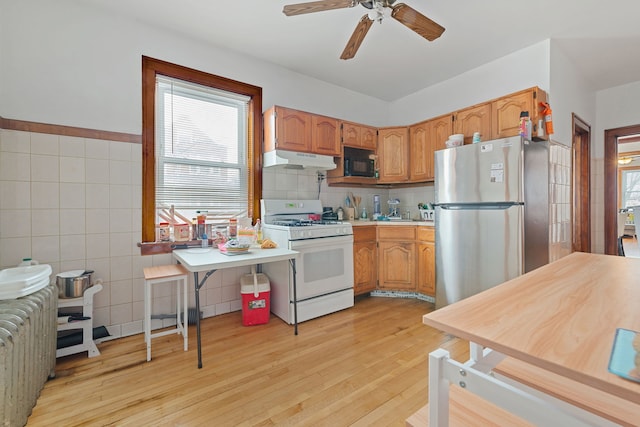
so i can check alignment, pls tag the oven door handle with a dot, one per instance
(320, 242)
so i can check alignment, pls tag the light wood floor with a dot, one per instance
(366, 366)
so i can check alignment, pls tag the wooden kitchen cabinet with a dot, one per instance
(365, 272)
(396, 257)
(474, 119)
(421, 149)
(441, 129)
(359, 136)
(289, 129)
(325, 136)
(426, 261)
(393, 155)
(505, 111)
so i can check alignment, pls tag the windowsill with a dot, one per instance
(157, 248)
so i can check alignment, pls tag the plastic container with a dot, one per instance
(181, 232)
(256, 298)
(258, 228)
(164, 233)
(18, 282)
(232, 232)
(364, 213)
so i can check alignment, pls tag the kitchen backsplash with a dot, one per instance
(281, 183)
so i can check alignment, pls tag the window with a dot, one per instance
(200, 146)
(630, 183)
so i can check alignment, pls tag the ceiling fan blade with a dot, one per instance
(356, 38)
(317, 6)
(416, 21)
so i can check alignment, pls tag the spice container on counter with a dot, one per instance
(164, 233)
(181, 232)
(233, 229)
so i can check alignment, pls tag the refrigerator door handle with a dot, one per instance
(477, 206)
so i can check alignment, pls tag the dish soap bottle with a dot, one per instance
(364, 213)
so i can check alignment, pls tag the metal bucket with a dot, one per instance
(72, 284)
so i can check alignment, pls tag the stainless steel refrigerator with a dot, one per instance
(492, 215)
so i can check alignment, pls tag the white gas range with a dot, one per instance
(324, 269)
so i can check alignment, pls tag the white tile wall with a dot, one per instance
(281, 183)
(75, 203)
(560, 201)
(597, 205)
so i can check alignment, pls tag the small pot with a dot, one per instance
(72, 284)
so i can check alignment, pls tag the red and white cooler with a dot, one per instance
(256, 298)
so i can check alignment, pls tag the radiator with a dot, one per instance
(28, 335)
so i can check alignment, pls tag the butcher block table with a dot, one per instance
(561, 319)
(210, 260)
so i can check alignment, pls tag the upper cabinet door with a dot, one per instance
(359, 136)
(350, 134)
(506, 111)
(393, 153)
(474, 119)
(420, 152)
(368, 137)
(325, 138)
(293, 130)
(441, 128)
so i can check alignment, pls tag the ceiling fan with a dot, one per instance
(402, 13)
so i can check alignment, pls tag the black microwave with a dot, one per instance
(359, 167)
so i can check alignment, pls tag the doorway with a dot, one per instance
(611, 137)
(581, 185)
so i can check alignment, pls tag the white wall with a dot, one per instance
(520, 70)
(571, 93)
(615, 107)
(68, 63)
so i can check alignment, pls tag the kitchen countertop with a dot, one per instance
(403, 222)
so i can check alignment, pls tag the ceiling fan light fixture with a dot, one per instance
(625, 160)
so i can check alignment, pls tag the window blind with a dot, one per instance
(200, 149)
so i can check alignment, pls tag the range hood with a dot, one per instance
(297, 160)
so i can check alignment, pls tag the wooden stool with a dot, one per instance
(164, 274)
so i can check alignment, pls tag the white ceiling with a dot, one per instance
(602, 38)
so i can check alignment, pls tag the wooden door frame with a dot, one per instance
(611, 185)
(581, 206)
